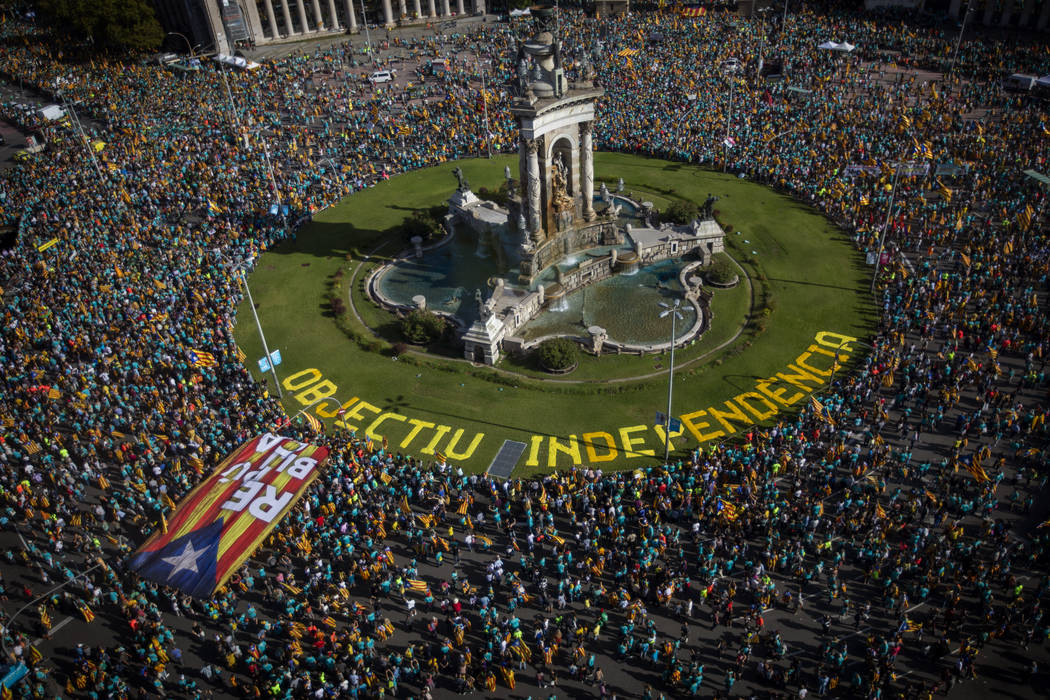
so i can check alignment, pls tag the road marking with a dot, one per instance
(54, 629)
(907, 263)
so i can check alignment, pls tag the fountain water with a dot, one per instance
(481, 250)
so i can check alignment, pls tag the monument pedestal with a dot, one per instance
(482, 340)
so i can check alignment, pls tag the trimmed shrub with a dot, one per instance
(423, 327)
(682, 211)
(428, 224)
(557, 354)
(720, 271)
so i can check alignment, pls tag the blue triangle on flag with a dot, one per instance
(187, 563)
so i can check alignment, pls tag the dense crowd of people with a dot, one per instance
(899, 509)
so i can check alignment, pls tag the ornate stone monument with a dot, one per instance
(555, 153)
(550, 216)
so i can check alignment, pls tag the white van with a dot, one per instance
(380, 76)
(1019, 82)
(51, 113)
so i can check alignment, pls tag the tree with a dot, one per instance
(682, 211)
(557, 354)
(428, 224)
(423, 327)
(129, 25)
(720, 271)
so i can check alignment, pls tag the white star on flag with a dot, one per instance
(187, 561)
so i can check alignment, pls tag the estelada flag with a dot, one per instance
(315, 424)
(200, 358)
(228, 515)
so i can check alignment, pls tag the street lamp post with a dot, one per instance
(4, 629)
(672, 311)
(229, 98)
(762, 12)
(485, 108)
(262, 337)
(307, 407)
(958, 42)
(239, 268)
(184, 38)
(335, 170)
(68, 106)
(368, 36)
(273, 181)
(731, 72)
(885, 226)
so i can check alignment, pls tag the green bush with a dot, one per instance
(557, 354)
(682, 211)
(423, 327)
(428, 224)
(720, 271)
(500, 195)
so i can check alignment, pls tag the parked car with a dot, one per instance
(380, 76)
(1019, 82)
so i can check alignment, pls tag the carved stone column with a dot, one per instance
(989, 12)
(289, 28)
(333, 16)
(523, 175)
(445, 11)
(351, 16)
(304, 26)
(459, 8)
(587, 170)
(251, 17)
(417, 8)
(271, 17)
(403, 7)
(532, 190)
(388, 14)
(1008, 13)
(318, 19)
(1026, 14)
(433, 10)
(479, 6)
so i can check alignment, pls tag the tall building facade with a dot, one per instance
(220, 25)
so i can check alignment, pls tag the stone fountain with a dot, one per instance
(550, 221)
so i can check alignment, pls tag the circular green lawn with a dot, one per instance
(773, 340)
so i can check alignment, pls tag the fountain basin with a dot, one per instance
(477, 276)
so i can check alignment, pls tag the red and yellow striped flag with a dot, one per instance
(218, 525)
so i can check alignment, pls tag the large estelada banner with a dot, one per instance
(224, 519)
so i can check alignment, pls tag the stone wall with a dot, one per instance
(565, 244)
